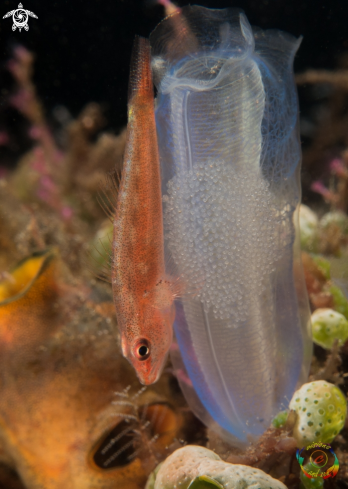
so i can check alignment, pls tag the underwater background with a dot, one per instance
(83, 48)
(63, 380)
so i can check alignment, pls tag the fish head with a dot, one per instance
(148, 351)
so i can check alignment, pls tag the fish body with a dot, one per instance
(227, 118)
(142, 292)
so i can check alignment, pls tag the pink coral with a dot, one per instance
(338, 167)
(320, 188)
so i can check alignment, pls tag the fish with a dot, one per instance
(143, 292)
(227, 124)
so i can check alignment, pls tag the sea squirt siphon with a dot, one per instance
(227, 116)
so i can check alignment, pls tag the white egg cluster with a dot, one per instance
(225, 235)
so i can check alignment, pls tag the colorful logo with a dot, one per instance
(318, 460)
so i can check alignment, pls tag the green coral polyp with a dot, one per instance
(325, 414)
(327, 326)
(204, 482)
(323, 265)
(280, 419)
(340, 301)
(308, 228)
(311, 483)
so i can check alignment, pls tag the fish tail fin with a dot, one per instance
(140, 78)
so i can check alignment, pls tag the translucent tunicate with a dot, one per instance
(226, 121)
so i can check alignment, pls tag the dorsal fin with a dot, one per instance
(140, 76)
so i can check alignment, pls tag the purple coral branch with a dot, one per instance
(169, 7)
(46, 155)
(320, 188)
(338, 167)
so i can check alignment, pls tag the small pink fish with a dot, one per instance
(143, 294)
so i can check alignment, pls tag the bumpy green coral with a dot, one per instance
(340, 301)
(327, 326)
(311, 483)
(280, 419)
(338, 218)
(321, 410)
(308, 228)
(323, 264)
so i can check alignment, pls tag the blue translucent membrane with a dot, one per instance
(230, 156)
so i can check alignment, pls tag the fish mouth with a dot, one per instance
(148, 379)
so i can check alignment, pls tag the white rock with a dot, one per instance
(189, 462)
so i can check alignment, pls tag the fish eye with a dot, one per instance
(142, 350)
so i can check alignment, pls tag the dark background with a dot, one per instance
(83, 47)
